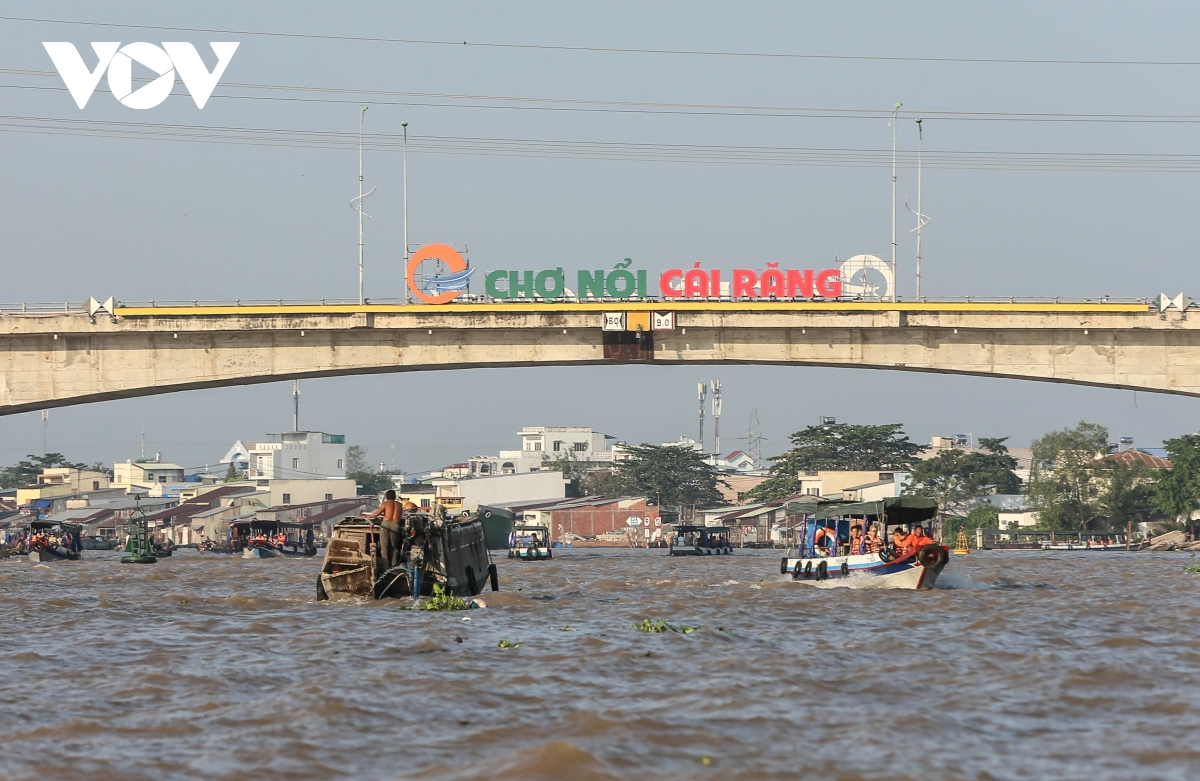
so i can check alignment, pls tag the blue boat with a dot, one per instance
(824, 551)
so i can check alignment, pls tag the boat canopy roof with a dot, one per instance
(45, 524)
(255, 523)
(898, 509)
(710, 529)
(525, 527)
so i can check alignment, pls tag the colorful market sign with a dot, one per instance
(862, 275)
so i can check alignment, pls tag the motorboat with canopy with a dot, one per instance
(262, 539)
(902, 555)
(529, 542)
(54, 541)
(687, 540)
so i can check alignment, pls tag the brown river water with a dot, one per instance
(1023, 665)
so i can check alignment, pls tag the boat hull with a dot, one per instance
(57, 554)
(903, 573)
(259, 553)
(689, 550)
(531, 553)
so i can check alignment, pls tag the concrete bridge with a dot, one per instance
(53, 360)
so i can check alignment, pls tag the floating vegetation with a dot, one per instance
(660, 626)
(443, 600)
(568, 629)
(1193, 568)
(506, 643)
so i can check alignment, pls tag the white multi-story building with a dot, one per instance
(299, 455)
(541, 444)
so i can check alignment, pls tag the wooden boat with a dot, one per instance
(815, 562)
(71, 533)
(687, 540)
(529, 543)
(264, 539)
(449, 553)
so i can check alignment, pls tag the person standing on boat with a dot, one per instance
(391, 533)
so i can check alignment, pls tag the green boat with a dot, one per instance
(497, 526)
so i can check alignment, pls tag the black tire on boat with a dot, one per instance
(845, 569)
(493, 577)
(321, 595)
(822, 570)
(472, 585)
(783, 566)
(549, 554)
(932, 556)
(531, 554)
(807, 570)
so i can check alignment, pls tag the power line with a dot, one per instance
(620, 49)
(639, 107)
(611, 150)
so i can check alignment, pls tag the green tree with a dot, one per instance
(25, 472)
(841, 446)
(981, 516)
(1062, 482)
(1127, 496)
(231, 474)
(669, 474)
(356, 459)
(371, 483)
(957, 478)
(1177, 492)
(600, 482)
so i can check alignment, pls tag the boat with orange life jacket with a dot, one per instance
(904, 556)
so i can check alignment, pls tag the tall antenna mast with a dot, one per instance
(701, 388)
(716, 411)
(357, 203)
(295, 405)
(895, 116)
(754, 439)
(404, 125)
(143, 458)
(46, 426)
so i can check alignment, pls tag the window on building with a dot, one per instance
(484, 468)
(537, 446)
(580, 447)
(507, 468)
(329, 497)
(339, 466)
(887, 476)
(557, 445)
(295, 463)
(95, 485)
(162, 478)
(287, 498)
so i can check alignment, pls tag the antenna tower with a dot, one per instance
(46, 425)
(754, 440)
(295, 405)
(700, 390)
(716, 413)
(143, 458)
(922, 220)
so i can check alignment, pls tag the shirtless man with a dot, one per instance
(390, 530)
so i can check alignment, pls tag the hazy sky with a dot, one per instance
(84, 214)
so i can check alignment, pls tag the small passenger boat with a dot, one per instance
(436, 550)
(266, 539)
(51, 541)
(824, 551)
(687, 540)
(529, 543)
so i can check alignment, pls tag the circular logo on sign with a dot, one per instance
(120, 75)
(445, 287)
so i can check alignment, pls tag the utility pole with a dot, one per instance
(701, 389)
(895, 117)
(407, 295)
(716, 411)
(45, 427)
(357, 203)
(921, 218)
(295, 405)
(143, 458)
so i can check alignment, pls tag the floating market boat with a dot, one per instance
(689, 540)
(52, 541)
(266, 539)
(1088, 544)
(823, 552)
(449, 553)
(530, 543)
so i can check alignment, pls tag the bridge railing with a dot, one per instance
(80, 308)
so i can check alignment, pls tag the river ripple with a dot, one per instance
(1072, 665)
